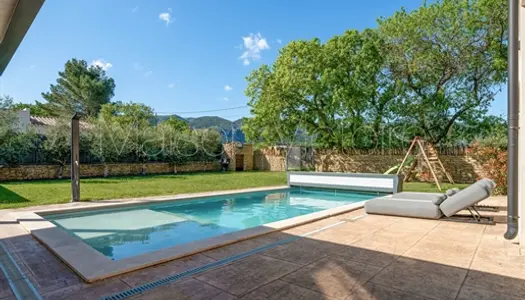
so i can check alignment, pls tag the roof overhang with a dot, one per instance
(16, 17)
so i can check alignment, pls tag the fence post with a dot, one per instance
(75, 162)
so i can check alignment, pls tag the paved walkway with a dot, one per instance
(373, 257)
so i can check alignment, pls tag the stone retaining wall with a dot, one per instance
(35, 172)
(462, 168)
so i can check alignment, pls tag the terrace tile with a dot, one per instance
(303, 251)
(333, 276)
(185, 289)
(85, 291)
(161, 271)
(279, 289)
(435, 281)
(248, 274)
(468, 292)
(371, 291)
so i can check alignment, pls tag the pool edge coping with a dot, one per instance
(92, 265)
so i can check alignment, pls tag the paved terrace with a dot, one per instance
(373, 257)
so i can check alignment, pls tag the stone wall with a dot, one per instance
(463, 168)
(35, 172)
(270, 159)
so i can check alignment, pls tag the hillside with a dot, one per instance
(228, 129)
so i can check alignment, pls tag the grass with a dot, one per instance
(430, 187)
(30, 193)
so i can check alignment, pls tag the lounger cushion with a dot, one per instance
(452, 192)
(467, 197)
(403, 207)
(436, 198)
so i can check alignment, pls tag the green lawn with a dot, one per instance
(429, 187)
(28, 193)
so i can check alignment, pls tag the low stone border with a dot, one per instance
(92, 266)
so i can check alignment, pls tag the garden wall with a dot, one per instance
(35, 172)
(462, 167)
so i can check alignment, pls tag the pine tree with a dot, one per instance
(79, 88)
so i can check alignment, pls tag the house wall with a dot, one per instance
(232, 149)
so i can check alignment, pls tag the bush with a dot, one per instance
(493, 159)
(15, 146)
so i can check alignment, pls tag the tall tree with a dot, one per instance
(451, 58)
(128, 114)
(176, 124)
(79, 88)
(333, 91)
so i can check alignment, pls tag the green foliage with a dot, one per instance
(450, 57)
(493, 159)
(15, 143)
(8, 115)
(79, 88)
(419, 73)
(123, 132)
(176, 124)
(196, 145)
(336, 91)
(127, 114)
(57, 142)
(35, 110)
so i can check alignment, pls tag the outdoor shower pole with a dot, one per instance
(75, 162)
(513, 118)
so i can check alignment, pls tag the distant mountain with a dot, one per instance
(207, 122)
(228, 129)
(163, 118)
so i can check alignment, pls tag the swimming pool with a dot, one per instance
(124, 233)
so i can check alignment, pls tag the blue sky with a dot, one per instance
(180, 56)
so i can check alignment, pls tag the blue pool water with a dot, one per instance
(122, 233)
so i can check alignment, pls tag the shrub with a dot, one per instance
(493, 159)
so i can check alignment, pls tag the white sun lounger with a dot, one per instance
(435, 205)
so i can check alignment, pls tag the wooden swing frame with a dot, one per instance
(418, 141)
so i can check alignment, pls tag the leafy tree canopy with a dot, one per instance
(35, 110)
(450, 57)
(79, 88)
(127, 114)
(421, 71)
(176, 123)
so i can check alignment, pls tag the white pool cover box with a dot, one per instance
(382, 183)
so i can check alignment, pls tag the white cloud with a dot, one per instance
(104, 65)
(147, 74)
(225, 99)
(228, 88)
(166, 17)
(252, 46)
(32, 66)
(171, 85)
(137, 66)
(279, 41)
(135, 9)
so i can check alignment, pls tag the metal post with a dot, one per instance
(513, 118)
(75, 163)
